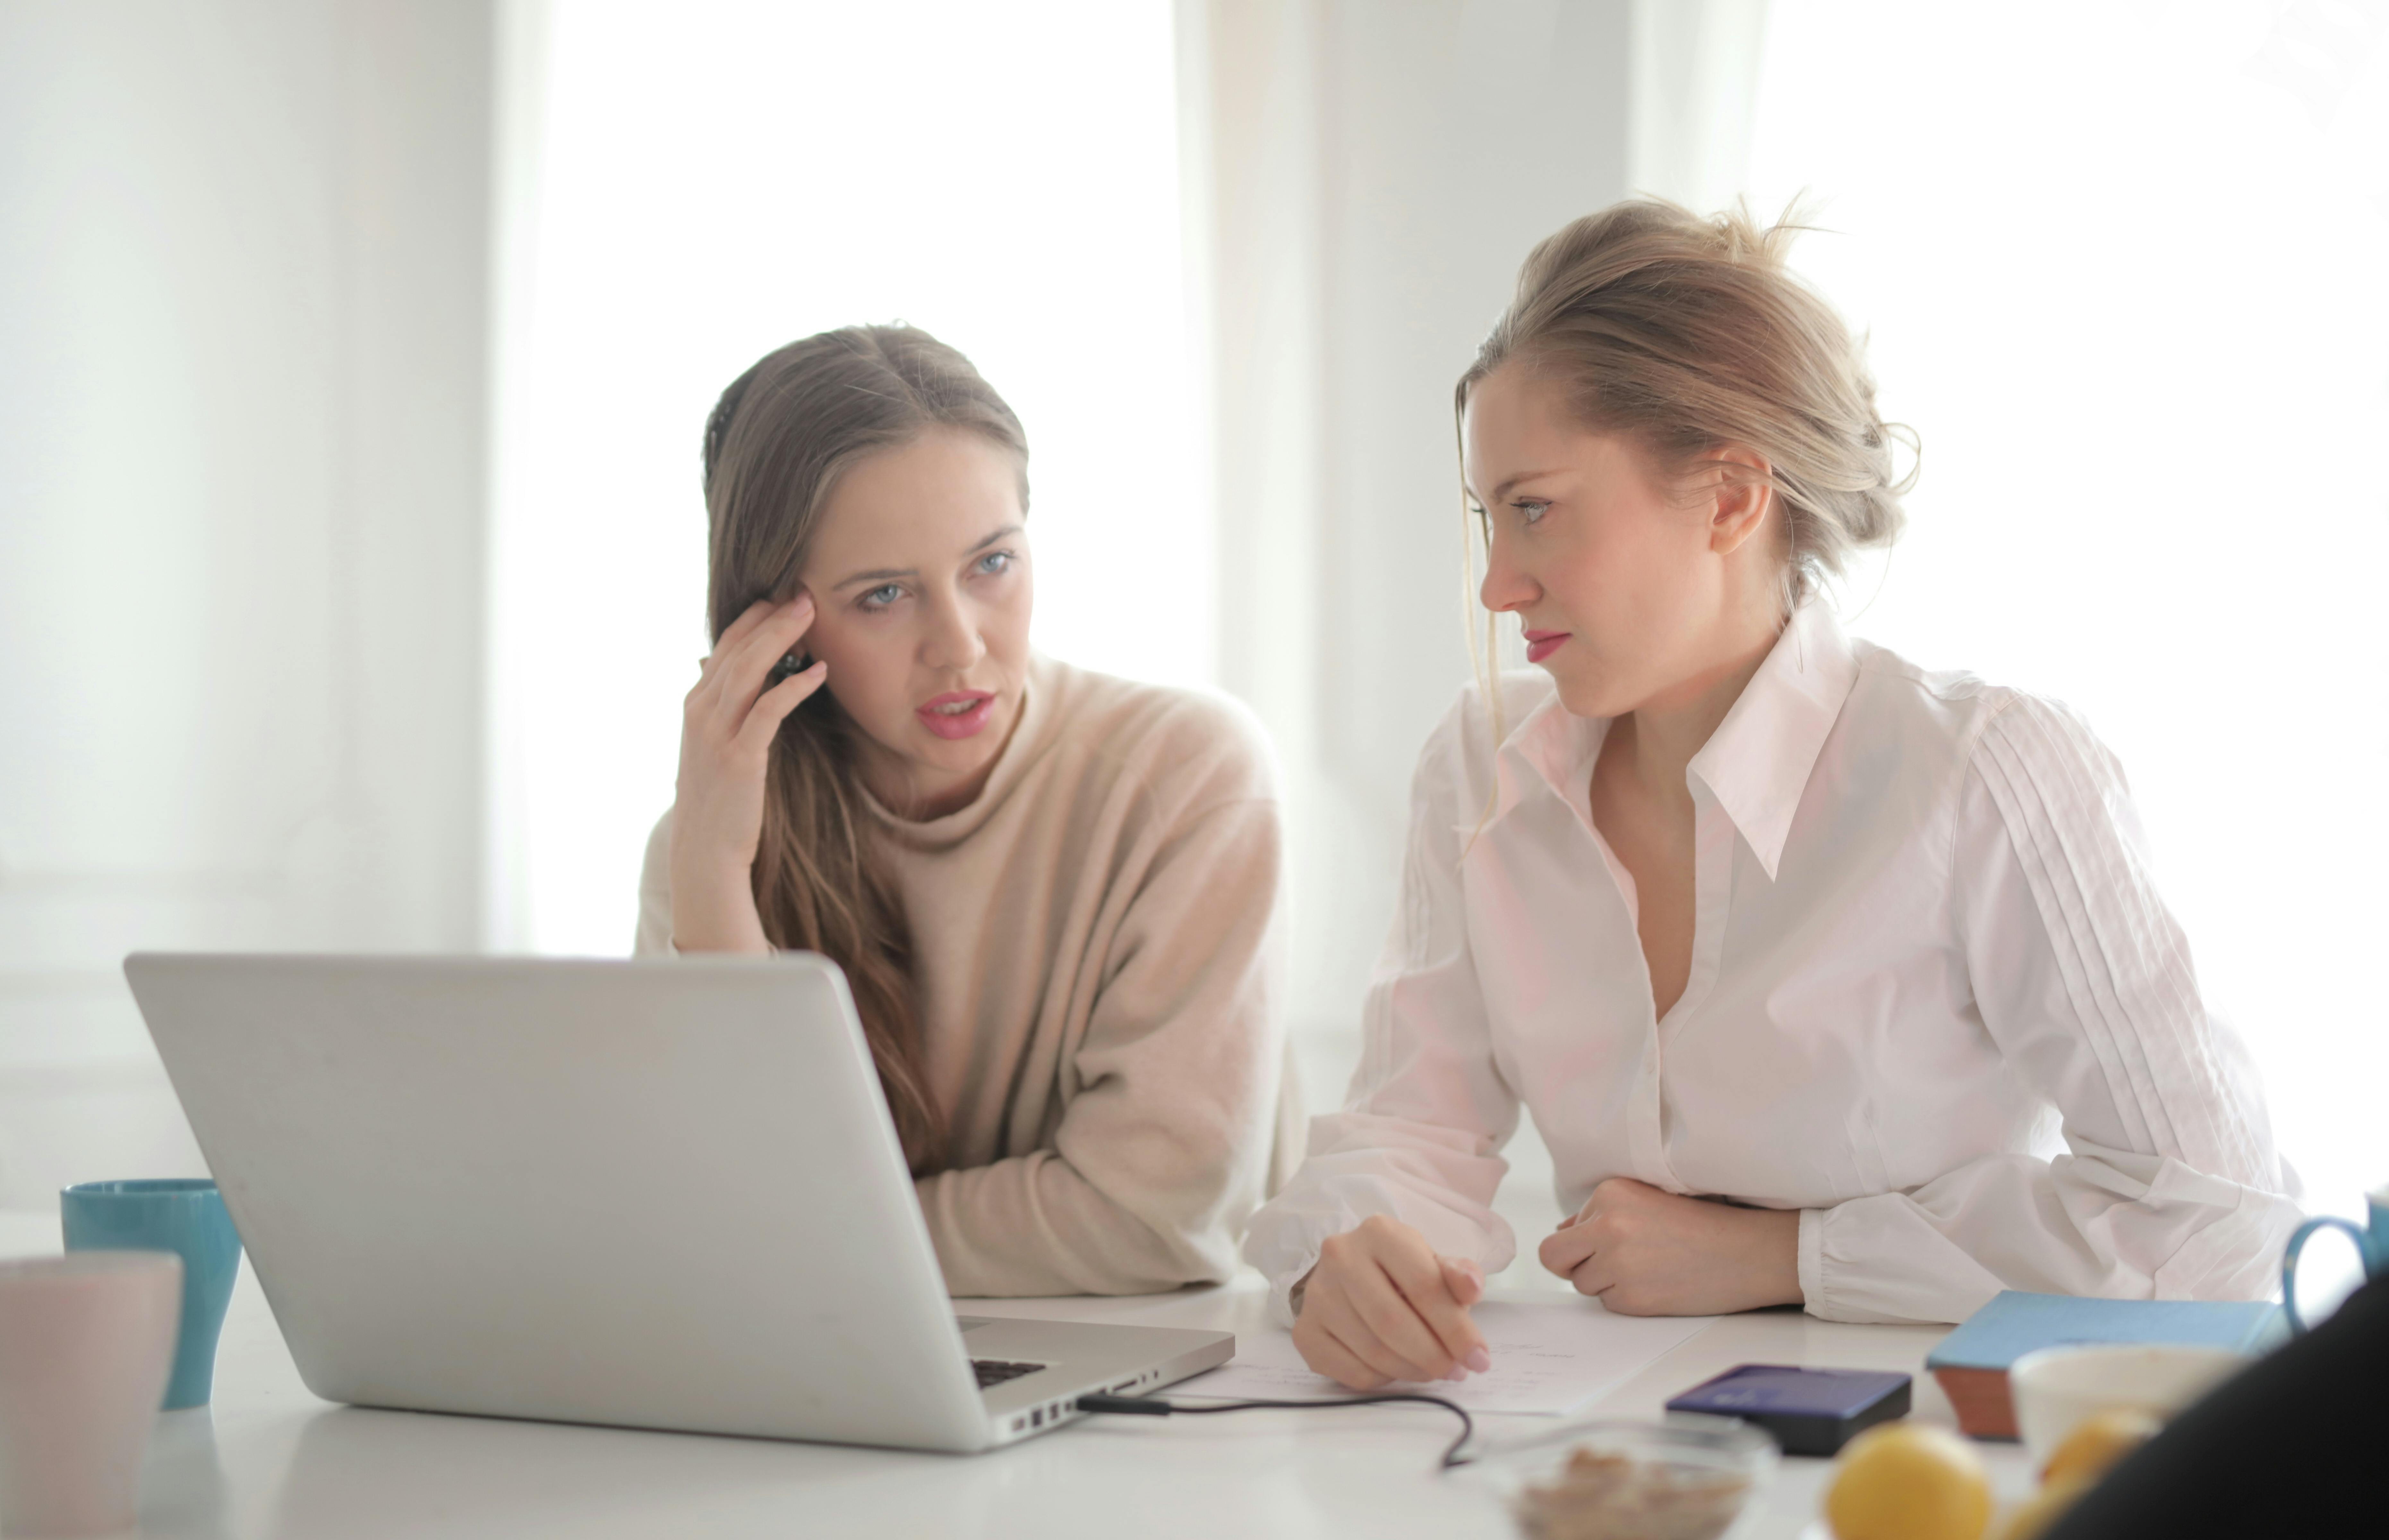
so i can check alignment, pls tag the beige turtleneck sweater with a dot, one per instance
(1095, 942)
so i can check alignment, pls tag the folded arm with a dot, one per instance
(2170, 1186)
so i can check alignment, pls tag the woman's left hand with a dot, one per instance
(1642, 1251)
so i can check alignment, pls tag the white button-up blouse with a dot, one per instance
(1935, 1004)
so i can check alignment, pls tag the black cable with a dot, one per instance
(1153, 1406)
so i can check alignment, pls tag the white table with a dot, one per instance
(270, 1459)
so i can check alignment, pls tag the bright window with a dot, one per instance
(689, 187)
(2122, 267)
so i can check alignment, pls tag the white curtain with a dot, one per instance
(1695, 88)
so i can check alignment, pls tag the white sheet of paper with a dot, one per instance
(1550, 1355)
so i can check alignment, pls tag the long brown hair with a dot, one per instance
(775, 446)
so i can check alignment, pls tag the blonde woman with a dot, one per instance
(1827, 980)
(1050, 891)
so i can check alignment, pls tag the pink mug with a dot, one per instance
(86, 1343)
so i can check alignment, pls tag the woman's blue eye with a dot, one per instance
(882, 597)
(994, 562)
(1530, 510)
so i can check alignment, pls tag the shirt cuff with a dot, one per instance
(1282, 1294)
(1812, 1260)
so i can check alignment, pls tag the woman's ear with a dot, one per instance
(1741, 494)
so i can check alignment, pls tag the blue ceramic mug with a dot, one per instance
(185, 1215)
(2371, 1245)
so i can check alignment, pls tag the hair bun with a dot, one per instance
(1690, 334)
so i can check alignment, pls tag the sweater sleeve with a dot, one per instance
(654, 936)
(2167, 1186)
(1162, 1148)
(1418, 1135)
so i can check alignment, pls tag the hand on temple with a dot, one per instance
(727, 724)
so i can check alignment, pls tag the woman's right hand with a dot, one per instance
(727, 725)
(1380, 1305)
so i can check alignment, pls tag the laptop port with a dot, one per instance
(1037, 1418)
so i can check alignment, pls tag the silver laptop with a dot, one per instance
(653, 1194)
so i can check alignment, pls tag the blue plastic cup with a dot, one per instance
(182, 1215)
(2372, 1249)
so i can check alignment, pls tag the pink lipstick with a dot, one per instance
(1542, 645)
(957, 713)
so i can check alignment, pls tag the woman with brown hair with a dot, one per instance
(1052, 892)
(1829, 981)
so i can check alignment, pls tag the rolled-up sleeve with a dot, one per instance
(2168, 1185)
(1421, 1131)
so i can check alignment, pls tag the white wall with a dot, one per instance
(242, 256)
(1364, 180)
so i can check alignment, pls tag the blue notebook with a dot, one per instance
(2014, 1324)
(1972, 1362)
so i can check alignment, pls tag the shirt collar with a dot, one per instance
(1756, 763)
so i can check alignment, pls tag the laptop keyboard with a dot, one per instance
(995, 1371)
